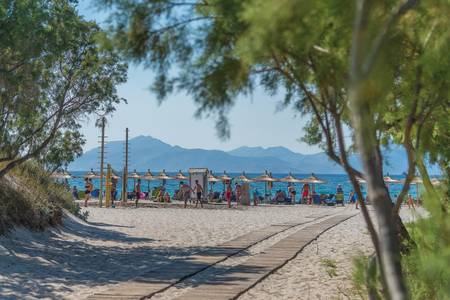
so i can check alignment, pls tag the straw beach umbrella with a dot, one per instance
(91, 174)
(266, 178)
(435, 181)
(61, 175)
(313, 180)
(417, 180)
(135, 176)
(180, 176)
(243, 178)
(225, 178)
(149, 177)
(114, 175)
(212, 180)
(388, 180)
(290, 179)
(361, 180)
(163, 176)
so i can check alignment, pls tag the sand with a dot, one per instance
(79, 259)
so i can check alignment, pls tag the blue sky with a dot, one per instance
(254, 120)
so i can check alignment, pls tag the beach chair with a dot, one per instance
(329, 200)
(340, 199)
(316, 199)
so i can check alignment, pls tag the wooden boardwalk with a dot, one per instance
(233, 282)
(230, 282)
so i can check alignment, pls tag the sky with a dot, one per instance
(255, 120)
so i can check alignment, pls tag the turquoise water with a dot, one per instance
(327, 188)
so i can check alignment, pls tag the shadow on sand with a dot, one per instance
(45, 265)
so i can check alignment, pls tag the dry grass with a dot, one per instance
(29, 198)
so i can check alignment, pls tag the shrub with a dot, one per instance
(30, 198)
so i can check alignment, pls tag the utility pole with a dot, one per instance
(102, 158)
(125, 170)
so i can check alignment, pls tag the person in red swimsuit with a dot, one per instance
(305, 193)
(228, 195)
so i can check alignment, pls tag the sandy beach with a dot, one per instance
(115, 245)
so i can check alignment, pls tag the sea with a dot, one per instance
(329, 187)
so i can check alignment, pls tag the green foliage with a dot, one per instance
(66, 147)
(366, 277)
(53, 74)
(427, 267)
(330, 267)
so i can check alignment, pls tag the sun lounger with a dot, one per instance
(316, 199)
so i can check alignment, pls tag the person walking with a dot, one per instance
(87, 190)
(351, 197)
(410, 202)
(198, 190)
(185, 192)
(137, 191)
(113, 191)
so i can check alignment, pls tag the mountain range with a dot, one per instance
(146, 152)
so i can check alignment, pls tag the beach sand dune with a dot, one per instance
(81, 258)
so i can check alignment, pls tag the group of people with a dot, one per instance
(184, 193)
(89, 188)
(306, 194)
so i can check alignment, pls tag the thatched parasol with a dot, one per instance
(243, 178)
(163, 176)
(61, 175)
(290, 179)
(91, 175)
(180, 176)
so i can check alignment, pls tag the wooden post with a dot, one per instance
(125, 170)
(108, 186)
(102, 157)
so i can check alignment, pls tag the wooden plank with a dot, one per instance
(240, 278)
(165, 276)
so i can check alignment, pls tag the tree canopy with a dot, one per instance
(362, 67)
(53, 74)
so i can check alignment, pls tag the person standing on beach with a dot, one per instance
(351, 197)
(305, 193)
(113, 191)
(75, 193)
(198, 190)
(87, 190)
(410, 202)
(185, 192)
(339, 195)
(228, 193)
(255, 197)
(137, 191)
(291, 192)
(238, 190)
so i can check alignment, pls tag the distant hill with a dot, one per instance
(147, 152)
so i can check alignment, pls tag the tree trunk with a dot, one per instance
(362, 89)
(378, 194)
